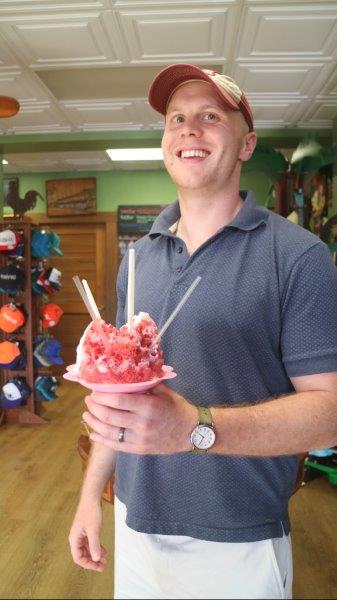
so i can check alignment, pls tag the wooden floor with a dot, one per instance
(41, 475)
(313, 513)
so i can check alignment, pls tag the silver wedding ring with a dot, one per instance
(121, 434)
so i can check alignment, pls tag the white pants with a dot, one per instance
(170, 566)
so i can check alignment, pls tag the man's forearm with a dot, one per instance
(288, 425)
(101, 466)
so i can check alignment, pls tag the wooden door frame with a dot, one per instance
(109, 220)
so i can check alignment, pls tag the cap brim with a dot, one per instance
(57, 250)
(171, 77)
(44, 362)
(57, 360)
(8, 365)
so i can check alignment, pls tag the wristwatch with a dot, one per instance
(203, 435)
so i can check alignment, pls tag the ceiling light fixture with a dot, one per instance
(126, 154)
(4, 161)
(8, 107)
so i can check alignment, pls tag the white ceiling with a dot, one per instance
(85, 65)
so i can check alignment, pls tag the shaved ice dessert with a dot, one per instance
(109, 355)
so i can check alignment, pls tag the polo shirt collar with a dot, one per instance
(250, 216)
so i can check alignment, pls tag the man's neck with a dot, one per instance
(202, 217)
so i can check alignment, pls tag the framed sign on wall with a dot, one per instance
(134, 221)
(71, 197)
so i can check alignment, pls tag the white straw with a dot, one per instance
(177, 309)
(131, 288)
(84, 297)
(91, 299)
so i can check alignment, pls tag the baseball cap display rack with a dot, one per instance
(26, 414)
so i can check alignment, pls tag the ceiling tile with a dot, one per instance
(189, 34)
(320, 112)
(279, 78)
(274, 112)
(20, 85)
(103, 114)
(289, 30)
(35, 117)
(85, 83)
(19, 7)
(53, 41)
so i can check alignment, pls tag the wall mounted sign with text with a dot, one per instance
(135, 219)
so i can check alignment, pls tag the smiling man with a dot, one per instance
(206, 466)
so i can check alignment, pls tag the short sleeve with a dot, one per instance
(309, 314)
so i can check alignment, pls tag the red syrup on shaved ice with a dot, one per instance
(109, 355)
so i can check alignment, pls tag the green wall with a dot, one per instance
(127, 187)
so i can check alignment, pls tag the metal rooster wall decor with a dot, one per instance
(21, 205)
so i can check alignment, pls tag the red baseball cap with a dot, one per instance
(11, 318)
(171, 77)
(51, 314)
(9, 240)
(44, 283)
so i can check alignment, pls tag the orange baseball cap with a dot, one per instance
(51, 314)
(11, 318)
(8, 352)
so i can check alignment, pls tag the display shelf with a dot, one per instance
(25, 414)
(18, 336)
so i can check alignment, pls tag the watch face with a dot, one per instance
(203, 437)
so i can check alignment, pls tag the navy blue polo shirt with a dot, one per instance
(265, 310)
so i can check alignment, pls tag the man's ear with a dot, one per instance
(248, 146)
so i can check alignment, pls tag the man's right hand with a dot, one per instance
(84, 537)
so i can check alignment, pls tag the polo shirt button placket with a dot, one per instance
(179, 250)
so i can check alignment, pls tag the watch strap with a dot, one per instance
(205, 416)
(196, 450)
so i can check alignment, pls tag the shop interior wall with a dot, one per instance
(127, 187)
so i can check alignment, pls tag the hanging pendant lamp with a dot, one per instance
(8, 107)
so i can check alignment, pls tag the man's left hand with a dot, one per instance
(159, 422)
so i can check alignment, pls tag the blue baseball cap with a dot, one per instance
(12, 279)
(52, 350)
(41, 244)
(45, 243)
(55, 243)
(14, 392)
(46, 351)
(39, 356)
(45, 385)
